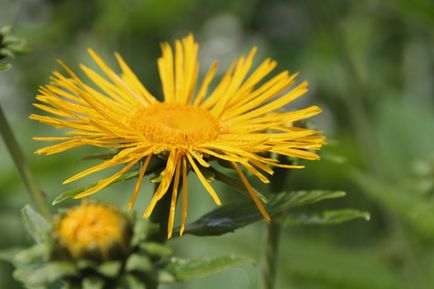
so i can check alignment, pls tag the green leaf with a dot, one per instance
(228, 218)
(186, 269)
(36, 225)
(38, 252)
(45, 274)
(156, 249)
(324, 218)
(110, 269)
(92, 283)
(132, 282)
(4, 66)
(138, 263)
(8, 255)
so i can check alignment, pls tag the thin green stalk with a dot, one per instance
(272, 237)
(20, 161)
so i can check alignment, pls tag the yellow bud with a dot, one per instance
(94, 231)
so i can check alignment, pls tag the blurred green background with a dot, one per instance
(371, 67)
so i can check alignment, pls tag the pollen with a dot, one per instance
(176, 124)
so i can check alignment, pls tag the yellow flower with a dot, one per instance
(92, 229)
(239, 121)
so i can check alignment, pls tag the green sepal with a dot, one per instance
(186, 269)
(129, 281)
(331, 217)
(230, 217)
(36, 225)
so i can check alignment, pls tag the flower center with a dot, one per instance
(176, 124)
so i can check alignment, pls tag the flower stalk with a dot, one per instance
(272, 236)
(20, 161)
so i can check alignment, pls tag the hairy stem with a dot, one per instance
(20, 161)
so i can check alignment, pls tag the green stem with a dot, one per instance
(269, 262)
(20, 161)
(272, 236)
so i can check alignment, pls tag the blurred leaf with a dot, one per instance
(4, 66)
(138, 263)
(110, 269)
(44, 274)
(415, 208)
(228, 218)
(132, 282)
(156, 249)
(38, 252)
(36, 225)
(324, 218)
(93, 283)
(186, 269)
(335, 266)
(8, 255)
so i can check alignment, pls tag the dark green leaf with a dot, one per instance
(186, 269)
(324, 218)
(228, 218)
(36, 225)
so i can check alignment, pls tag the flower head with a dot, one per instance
(238, 122)
(94, 230)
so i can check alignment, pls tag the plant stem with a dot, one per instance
(20, 161)
(269, 261)
(272, 237)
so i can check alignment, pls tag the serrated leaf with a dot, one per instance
(324, 218)
(138, 263)
(186, 269)
(228, 218)
(45, 274)
(36, 225)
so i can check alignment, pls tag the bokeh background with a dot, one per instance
(371, 67)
